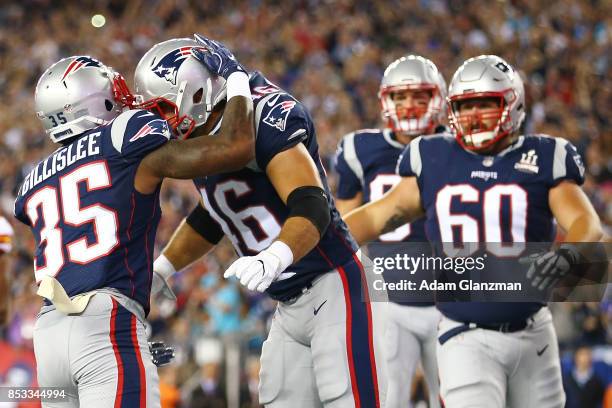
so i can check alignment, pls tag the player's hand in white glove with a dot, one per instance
(547, 269)
(259, 271)
(161, 287)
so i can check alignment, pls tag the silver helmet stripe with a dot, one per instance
(208, 95)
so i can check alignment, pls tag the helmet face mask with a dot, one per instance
(77, 94)
(418, 118)
(416, 77)
(168, 110)
(486, 102)
(168, 76)
(480, 119)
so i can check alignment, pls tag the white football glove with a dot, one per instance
(162, 270)
(259, 271)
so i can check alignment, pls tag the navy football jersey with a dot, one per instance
(490, 199)
(92, 228)
(248, 209)
(366, 162)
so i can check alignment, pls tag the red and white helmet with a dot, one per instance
(486, 76)
(412, 72)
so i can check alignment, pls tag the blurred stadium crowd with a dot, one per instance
(330, 54)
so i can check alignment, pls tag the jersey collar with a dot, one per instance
(512, 147)
(388, 135)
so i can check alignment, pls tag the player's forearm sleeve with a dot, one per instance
(202, 223)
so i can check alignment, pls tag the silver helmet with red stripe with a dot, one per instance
(77, 94)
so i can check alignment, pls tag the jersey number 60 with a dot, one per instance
(491, 204)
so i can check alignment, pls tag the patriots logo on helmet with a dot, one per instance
(78, 63)
(277, 117)
(169, 64)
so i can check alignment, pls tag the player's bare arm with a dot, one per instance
(574, 213)
(195, 236)
(296, 181)
(231, 150)
(398, 206)
(186, 246)
(346, 205)
(299, 233)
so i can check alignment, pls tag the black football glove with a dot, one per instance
(161, 354)
(547, 269)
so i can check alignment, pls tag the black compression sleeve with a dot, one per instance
(202, 223)
(311, 203)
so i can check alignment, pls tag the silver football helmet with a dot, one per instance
(77, 94)
(414, 73)
(169, 78)
(486, 76)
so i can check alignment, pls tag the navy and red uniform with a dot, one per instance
(366, 161)
(95, 232)
(250, 212)
(495, 353)
(490, 199)
(88, 186)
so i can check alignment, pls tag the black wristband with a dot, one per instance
(202, 223)
(311, 203)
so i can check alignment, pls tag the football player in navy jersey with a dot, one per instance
(280, 217)
(492, 185)
(93, 207)
(412, 95)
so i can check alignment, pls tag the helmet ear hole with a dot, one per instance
(197, 97)
(108, 104)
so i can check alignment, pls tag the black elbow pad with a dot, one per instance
(202, 223)
(311, 203)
